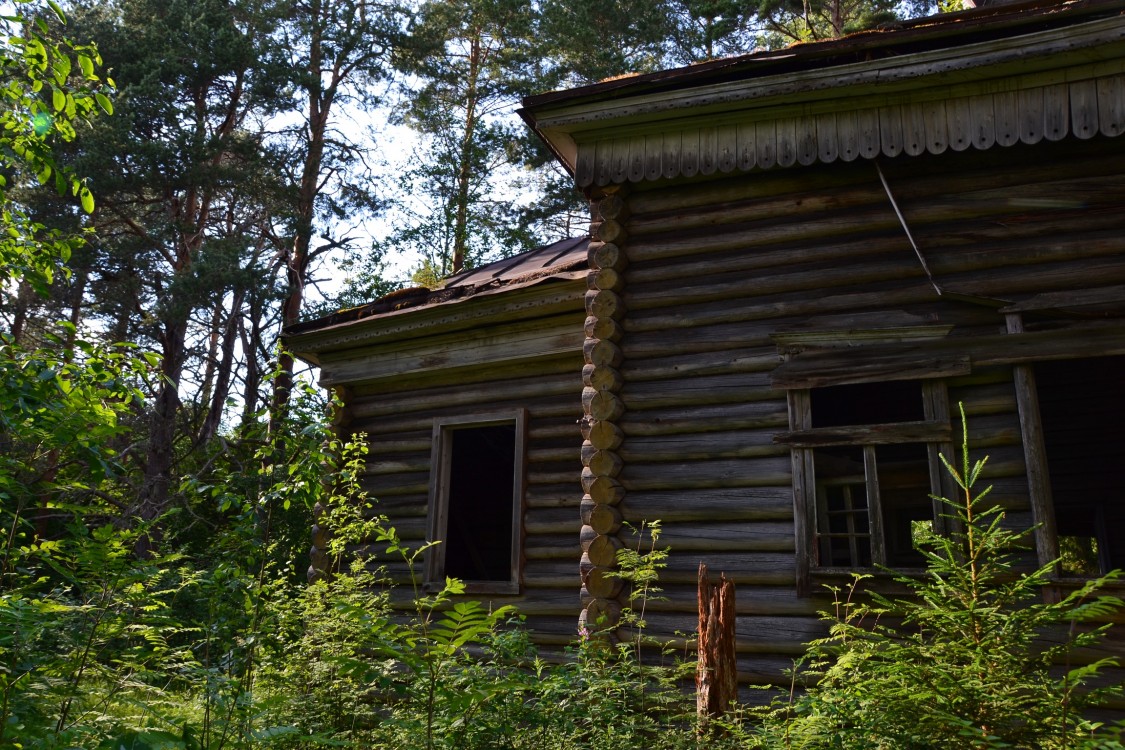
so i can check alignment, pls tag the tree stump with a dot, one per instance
(716, 677)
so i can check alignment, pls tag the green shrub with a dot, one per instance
(973, 658)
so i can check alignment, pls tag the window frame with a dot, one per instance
(441, 459)
(803, 439)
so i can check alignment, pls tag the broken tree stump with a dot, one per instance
(716, 677)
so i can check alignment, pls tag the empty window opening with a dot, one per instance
(478, 536)
(1082, 406)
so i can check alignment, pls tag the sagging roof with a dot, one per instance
(992, 76)
(519, 271)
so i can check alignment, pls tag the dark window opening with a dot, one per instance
(478, 536)
(867, 404)
(871, 500)
(1082, 406)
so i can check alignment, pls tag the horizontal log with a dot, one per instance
(738, 504)
(1077, 340)
(561, 409)
(430, 399)
(605, 435)
(467, 350)
(730, 360)
(882, 434)
(758, 472)
(437, 380)
(751, 536)
(686, 419)
(714, 389)
(704, 445)
(752, 599)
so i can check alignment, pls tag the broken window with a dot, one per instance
(866, 464)
(476, 499)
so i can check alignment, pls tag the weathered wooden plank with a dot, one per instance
(689, 153)
(1086, 340)
(714, 389)
(726, 145)
(983, 117)
(670, 155)
(1084, 116)
(1005, 109)
(638, 152)
(1035, 454)
(700, 445)
(869, 137)
(786, 142)
(891, 130)
(654, 151)
(1056, 112)
(492, 346)
(827, 138)
(708, 151)
(749, 359)
(1111, 105)
(806, 141)
(622, 158)
(738, 504)
(603, 161)
(913, 130)
(1031, 117)
(586, 164)
(884, 434)
(758, 472)
(848, 135)
(959, 122)
(702, 418)
(937, 129)
(747, 147)
(1068, 299)
(765, 142)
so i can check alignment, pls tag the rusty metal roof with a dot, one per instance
(517, 271)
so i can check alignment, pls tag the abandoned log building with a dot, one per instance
(800, 263)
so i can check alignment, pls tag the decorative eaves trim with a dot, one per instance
(1080, 108)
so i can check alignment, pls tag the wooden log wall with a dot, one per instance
(395, 402)
(716, 267)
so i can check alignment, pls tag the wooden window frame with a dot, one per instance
(438, 508)
(934, 432)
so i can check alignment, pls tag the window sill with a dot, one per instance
(477, 587)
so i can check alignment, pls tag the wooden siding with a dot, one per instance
(395, 391)
(716, 268)
(913, 126)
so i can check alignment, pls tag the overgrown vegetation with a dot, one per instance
(974, 657)
(194, 629)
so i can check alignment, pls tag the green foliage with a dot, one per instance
(974, 658)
